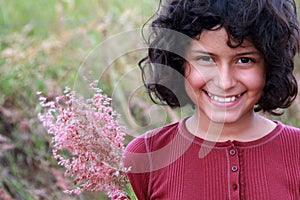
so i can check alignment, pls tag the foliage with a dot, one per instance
(42, 46)
(89, 131)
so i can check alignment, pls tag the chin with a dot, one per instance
(221, 119)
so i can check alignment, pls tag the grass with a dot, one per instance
(46, 45)
(43, 45)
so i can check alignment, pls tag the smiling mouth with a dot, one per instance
(223, 99)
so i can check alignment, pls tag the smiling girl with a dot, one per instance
(225, 83)
(229, 59)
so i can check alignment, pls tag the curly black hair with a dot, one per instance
(271, 25)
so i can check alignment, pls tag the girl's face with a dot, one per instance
(224, 83)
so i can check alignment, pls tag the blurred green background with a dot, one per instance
(46, 45)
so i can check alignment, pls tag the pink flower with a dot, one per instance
(88, 141)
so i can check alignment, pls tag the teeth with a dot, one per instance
(223, 99)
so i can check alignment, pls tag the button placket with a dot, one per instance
(233, 172)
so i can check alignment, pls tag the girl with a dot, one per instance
(229, 59)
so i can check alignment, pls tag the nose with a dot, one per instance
(226, 77)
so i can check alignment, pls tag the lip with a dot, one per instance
(221, 100)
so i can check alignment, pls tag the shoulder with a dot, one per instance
(153, 139)
(291, 130)
(290, 135)
(155, 149)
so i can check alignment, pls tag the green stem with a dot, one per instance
(130, 192)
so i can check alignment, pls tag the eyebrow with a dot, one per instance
(249, 52)
(238, 54)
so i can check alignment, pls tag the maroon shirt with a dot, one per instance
(171, 163)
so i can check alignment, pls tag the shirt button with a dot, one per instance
(232, 152)
(234, 168)
(235, 186)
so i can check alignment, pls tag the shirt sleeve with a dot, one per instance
(135, 157)
(139, 183)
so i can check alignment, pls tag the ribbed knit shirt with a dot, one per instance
(171, 163)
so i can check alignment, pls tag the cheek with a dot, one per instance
(255, 80)
(190, 90)
(196, 78)
(194, 81)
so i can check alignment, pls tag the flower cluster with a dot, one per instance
(87, 141)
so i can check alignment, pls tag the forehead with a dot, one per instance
(210, 40)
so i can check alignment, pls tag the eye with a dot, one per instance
(205, 59)
(245, 60)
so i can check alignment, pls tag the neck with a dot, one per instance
(250, 128)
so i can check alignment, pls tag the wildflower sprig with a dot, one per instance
(88, 141)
